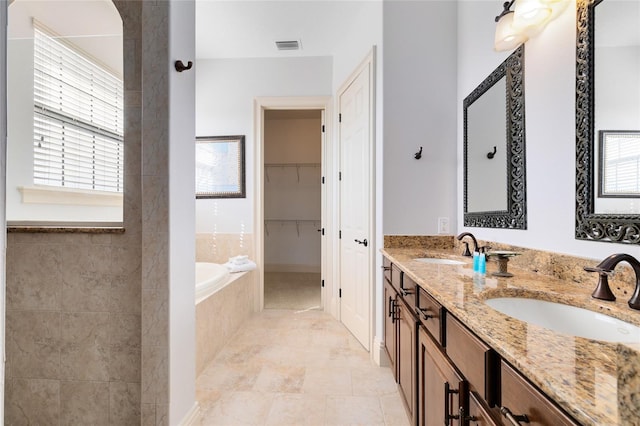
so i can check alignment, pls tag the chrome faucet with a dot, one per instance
(466, 244)
(605, 268)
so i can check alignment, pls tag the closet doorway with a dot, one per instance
(293, 209)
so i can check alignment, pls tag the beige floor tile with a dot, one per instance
(354, 410)
(239, 408)
(327, 381)
(289, 367)
(297, 410)
(393, 410)
(283, 379)
(373, 381)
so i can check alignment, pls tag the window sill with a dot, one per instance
(70, 228)
(40, 194)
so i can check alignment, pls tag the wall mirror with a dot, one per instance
(608, 121)
(220, 171)
(494, 149)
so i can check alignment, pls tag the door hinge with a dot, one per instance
(322, 284)
(322, 232)
(322, 179)
(323, 128)
(340, 118)
(340, 234)
(340, 293)
(340, 176)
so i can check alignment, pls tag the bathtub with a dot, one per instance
(210, 277)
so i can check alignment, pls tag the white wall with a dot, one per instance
(182, 365)
(419, 110)
(550, 128)
(225, 91)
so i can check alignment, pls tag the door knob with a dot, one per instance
(364, 242)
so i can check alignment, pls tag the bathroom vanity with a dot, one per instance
(457, 361)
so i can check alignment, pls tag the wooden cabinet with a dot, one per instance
(431, 315)
(448, 375)
(390, 328)
(407, 358)
(442, 392)
(519, 398)
(478, 414)
(476, 361)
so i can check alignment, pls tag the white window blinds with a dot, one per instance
(78, 120)
(621, 163)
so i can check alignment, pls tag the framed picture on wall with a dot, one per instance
(220, 168)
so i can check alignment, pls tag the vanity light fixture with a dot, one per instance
(508, 37)
(526, 20)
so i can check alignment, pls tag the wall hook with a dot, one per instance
(418, 155)
(180, 66)
(490, 155)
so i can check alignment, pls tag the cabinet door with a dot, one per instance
(390, 329)
(442, 393)
(407, 358)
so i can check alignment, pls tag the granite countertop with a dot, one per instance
(598, 383)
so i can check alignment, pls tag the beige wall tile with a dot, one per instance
(85, 346)
(86, 293)
(155, 317)
(34, 280)
(155, 259)
(124, 403)
(84, 403)
(32, 402)
(33, 344)
(124, 363)
(155, 374)
(148, 415)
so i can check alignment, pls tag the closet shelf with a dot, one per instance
(296, 222)
(297, 166)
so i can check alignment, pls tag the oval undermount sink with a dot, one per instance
(440, 261)
(567, 319)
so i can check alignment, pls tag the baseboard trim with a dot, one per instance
(379, 354)
(193, 416)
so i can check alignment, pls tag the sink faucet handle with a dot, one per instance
(602, 291)
(466, 251)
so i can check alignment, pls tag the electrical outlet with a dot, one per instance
(443, 225)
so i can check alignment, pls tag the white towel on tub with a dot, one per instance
(239, 260)
(247, 266)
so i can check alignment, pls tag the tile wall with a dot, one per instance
(73, 320)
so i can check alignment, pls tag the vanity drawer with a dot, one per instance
(475, 360)
(386, 267)
(431, 315)
(408, 289)
(396, 277)
(520, 397)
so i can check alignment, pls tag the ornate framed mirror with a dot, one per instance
(607, 108)
(494, 149)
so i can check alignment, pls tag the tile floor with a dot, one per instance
(288, 367)
(291, 290)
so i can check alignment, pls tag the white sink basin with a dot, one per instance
(439, 261)
(567, 319)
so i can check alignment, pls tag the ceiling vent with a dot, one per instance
(288, 45)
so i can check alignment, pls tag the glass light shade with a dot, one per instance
(507, 37)
(530, 14)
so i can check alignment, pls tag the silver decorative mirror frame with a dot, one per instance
(515, 217)
(613, 228)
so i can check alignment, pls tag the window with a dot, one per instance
(619, 163)
(78, 119)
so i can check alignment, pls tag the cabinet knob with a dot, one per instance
(514, 420)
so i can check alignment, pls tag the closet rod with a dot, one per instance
(298, 222)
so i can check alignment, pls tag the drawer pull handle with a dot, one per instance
(406, 292)
(448, 416)
(390, 306)
(514, 420)
(386, 268)
(423, 312)
(466, 418)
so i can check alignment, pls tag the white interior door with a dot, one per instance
(355, 281)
